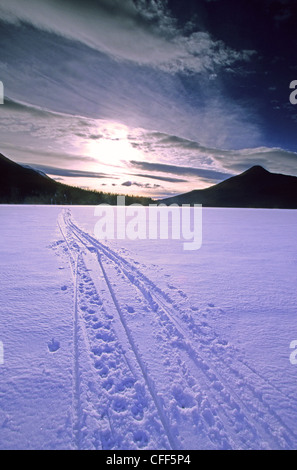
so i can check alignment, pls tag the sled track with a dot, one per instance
(76, 386)
(201, 345)
(138, 358)
(74, 253)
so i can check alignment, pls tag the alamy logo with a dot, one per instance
(293, 355)
(1, 93)
(153, 222)
(293, 95)
(1, 353)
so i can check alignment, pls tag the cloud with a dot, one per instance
(276, 160)
(161, 178)
(206, 174)
(38, 136)
(142, 32)
(20, 107)
(79, 81)
(70, 173)
(35, 135)
(189, 158)
(141, 185)
(72, 146)
(23, 154)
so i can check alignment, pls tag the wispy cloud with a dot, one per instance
(190, 158)
(204, 174)
(81, 81)
(84, 151)
(49, 170)
(276, 160)
(168, 179)
(143, 32)
(26, 154)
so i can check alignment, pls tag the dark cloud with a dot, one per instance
(16, 152)
(77, 80)
(143, 32)
(22, 108)
(49, 170)
(161, 178)
(141, 185)
(206, 174)
(94, 136)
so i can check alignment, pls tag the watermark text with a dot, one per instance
(153, 222)
(1, 353)
(293, 355)
(1, 93)
(293, 95)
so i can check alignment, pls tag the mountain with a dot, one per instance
(24, 185)
(255, 188)
(18, 182)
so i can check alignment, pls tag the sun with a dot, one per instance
(111, 152)
(109, 145)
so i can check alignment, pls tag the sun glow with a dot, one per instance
(111, 146)
(110, 152)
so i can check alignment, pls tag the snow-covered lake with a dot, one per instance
(142, 345)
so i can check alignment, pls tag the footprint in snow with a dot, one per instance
(141, 438)
(130, 309)
(119, 405)
(183, 399)
(53, 346)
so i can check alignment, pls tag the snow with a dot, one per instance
(125, 344)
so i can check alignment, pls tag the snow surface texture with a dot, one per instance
(141, 345)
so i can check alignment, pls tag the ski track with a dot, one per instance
(184, 387)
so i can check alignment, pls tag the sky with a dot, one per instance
(147, 96)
